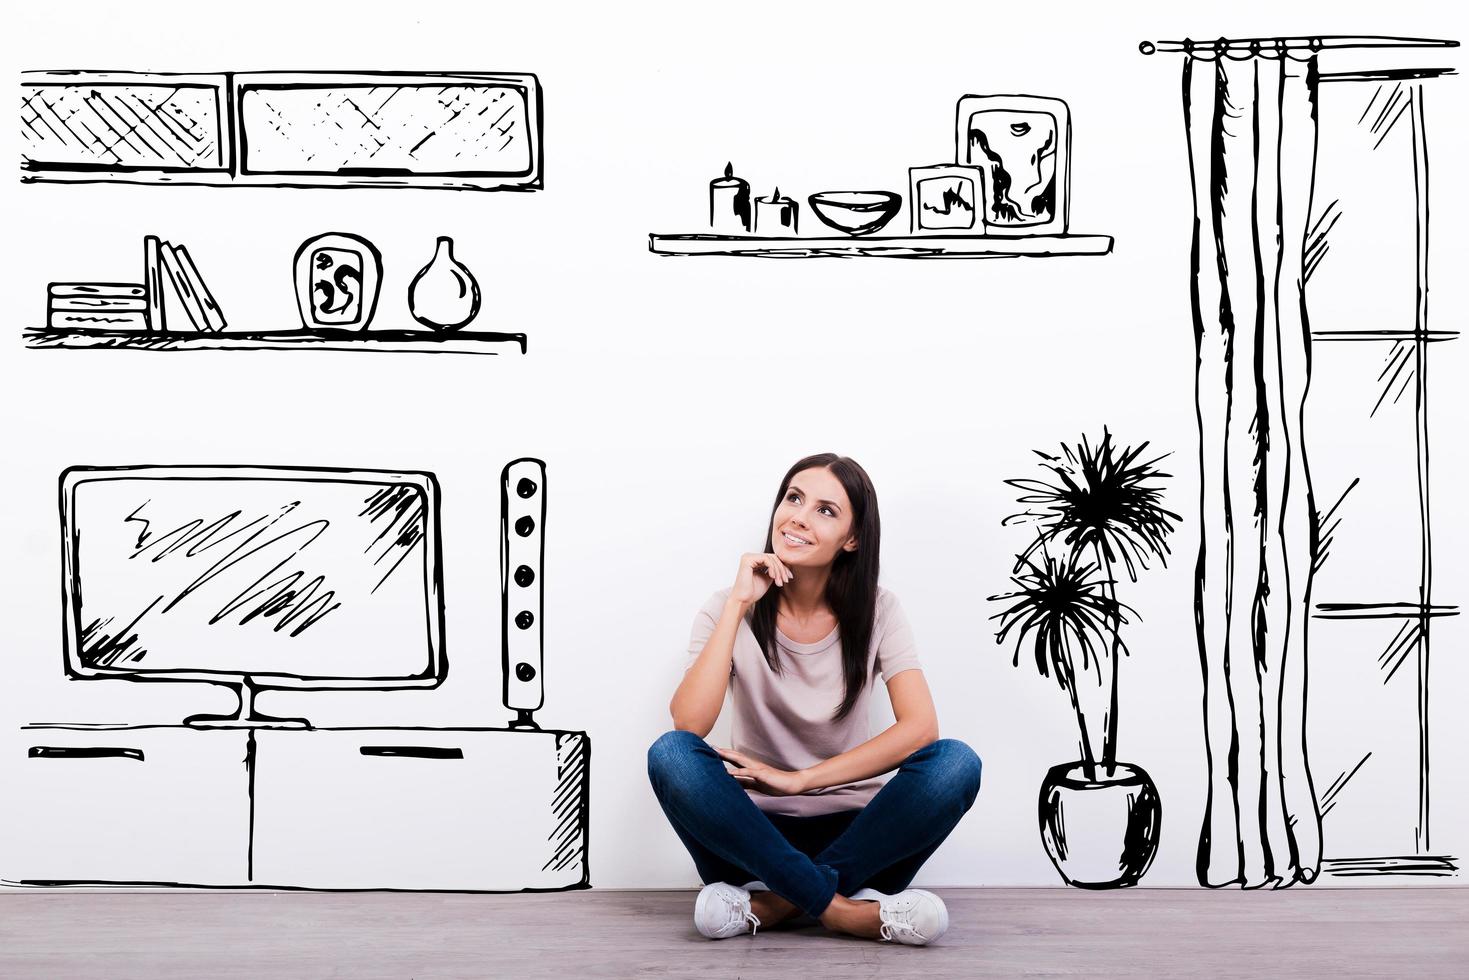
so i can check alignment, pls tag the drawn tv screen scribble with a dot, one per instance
(326, 576)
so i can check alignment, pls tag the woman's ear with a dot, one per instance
(851, 545)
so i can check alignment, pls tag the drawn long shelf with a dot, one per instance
(401, 341)
(895, 247)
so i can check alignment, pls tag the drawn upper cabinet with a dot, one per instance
(459, 131)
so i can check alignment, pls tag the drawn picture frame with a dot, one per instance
(1023, 144)
(946, 199)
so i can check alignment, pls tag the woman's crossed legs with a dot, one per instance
(810, 864)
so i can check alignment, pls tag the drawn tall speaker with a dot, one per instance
(522, 589)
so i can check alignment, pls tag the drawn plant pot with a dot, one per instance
(444, 295)
(1023, 143)
(337, 281)
(1102, 832)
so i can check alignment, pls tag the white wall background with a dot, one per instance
(668, 395)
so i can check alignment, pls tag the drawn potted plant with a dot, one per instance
(1099, 509)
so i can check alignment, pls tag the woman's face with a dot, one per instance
(813, 521)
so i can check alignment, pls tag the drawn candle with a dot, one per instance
(775, 215)
(729, 204)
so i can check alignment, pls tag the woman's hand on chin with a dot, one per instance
(756, 775)
(757, 573)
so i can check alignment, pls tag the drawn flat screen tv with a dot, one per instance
(255, 577)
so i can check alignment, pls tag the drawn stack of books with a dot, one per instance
(172, 297)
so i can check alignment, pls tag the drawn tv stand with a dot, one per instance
(493, 810)
(250, 801)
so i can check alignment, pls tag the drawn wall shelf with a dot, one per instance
(397, 341)
(1005, 192)
(457, 131)
(897, 247)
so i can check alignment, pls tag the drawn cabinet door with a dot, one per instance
(420, 809)
(154, 805)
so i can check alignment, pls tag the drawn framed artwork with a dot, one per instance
(1023, 144)
(447, 130)
(945, 199)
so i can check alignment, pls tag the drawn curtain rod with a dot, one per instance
(1320, 43)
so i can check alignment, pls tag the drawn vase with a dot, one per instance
(1100, 832)
(337, 279)
(444, 295)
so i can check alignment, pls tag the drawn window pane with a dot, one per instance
(1365, 211)
(415, 129)
(1361, 423)
(115, 126)
(1362, 725)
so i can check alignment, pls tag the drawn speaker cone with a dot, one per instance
(1102, 832)
(444, 295)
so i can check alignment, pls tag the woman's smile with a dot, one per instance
(812, 522)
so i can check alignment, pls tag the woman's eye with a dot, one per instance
(793, 498)
(828, 512)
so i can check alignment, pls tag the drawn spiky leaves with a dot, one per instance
(1104, 496)
(1062, 607)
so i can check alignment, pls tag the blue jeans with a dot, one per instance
(808, 860)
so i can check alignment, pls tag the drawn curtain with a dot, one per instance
(1251, 121)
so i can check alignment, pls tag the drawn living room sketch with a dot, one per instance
(263, 578)
(1005, 193)
(336, 278)
(1098, 511)
(457, 131)
(1303, 177)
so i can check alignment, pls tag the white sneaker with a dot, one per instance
(723, 910)
(913, 917)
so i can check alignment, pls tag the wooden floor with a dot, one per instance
(1299, 932)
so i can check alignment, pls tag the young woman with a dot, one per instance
(799, 816)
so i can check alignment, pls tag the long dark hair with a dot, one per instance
(852, 589)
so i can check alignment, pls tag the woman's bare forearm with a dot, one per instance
(700, 695)
(882, 753)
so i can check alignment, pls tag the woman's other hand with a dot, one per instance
(756, 775)
(757, 573)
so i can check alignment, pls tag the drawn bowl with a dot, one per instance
(855, 212)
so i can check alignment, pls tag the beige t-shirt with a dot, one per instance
(785, 719)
